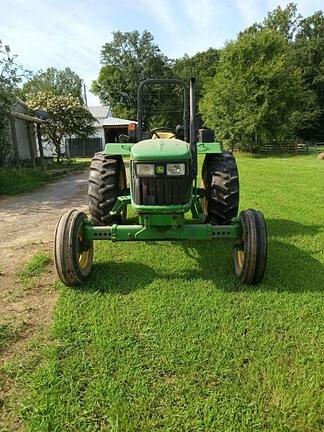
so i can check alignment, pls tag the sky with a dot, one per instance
(62, 33)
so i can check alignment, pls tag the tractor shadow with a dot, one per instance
(289, 268)
(118, 278)
(285, 228)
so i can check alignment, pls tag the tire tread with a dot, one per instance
(104, 187)
(221, 182)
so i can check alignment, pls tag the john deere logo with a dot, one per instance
(159, 169)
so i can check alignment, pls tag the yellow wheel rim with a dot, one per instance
(240, 257)
(83, 255)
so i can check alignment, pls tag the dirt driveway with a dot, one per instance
(27, 223)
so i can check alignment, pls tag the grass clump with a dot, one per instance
(7, 334)
(35, 266)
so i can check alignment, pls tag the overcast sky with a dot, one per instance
(71, 32)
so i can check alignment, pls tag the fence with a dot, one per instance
(76, 147)
(290, 147)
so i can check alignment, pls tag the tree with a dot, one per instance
(59, 82)
(285, 21)
(257, 94)
(66, 117)
(306, 40)
(309, 57)
(10, 76)
(130, 58)
(202, 65)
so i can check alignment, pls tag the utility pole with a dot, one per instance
(85, 95)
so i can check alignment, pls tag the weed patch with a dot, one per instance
(34, 267)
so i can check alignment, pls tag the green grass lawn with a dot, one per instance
(162, 337)
(14, 181)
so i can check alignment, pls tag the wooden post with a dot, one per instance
(14, 141)
(40, 145)
(30, 144)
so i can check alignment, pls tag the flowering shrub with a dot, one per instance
(66, 117)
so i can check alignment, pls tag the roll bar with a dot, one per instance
(189, 121)
(163, 81)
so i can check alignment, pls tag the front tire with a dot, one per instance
(73, 255)
(250, 256)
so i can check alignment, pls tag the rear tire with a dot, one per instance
(221, 182)
(107, 180)
(73, 256)
(250, 256)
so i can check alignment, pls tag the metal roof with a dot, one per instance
(114, 121)
(26, 117)
(100, 112)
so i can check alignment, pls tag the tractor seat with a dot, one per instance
(164, 135)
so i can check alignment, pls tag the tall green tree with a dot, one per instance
(58, 82)
(127, 60)
(306, 40)
(284, 20)
(202, 65)
(257, 94)
(309, 57)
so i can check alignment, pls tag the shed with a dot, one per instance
(23, 136)
(107, 129)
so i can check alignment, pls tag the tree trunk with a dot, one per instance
(30, 143)
(57, 145)
(40, 145)
(14, 141)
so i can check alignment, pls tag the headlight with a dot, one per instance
(176, 169)
(145, 170)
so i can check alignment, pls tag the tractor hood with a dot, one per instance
(161, 149)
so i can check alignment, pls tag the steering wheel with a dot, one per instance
(161, 129)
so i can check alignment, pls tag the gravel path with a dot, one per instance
(31, 217)
(27, 223)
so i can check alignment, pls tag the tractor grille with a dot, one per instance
(162, 189)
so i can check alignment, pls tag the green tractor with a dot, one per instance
(163, 187)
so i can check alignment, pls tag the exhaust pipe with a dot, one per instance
(193, 128)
